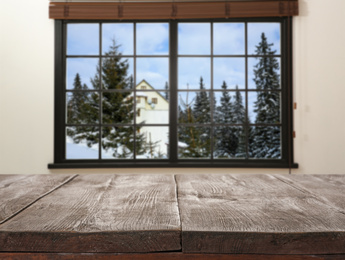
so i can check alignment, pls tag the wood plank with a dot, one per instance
(160, 256)
(100, 213)
(255, 214)
(19, 191)
(329, 189)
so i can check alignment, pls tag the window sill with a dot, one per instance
(250, 164)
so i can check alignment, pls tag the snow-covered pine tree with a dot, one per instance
(227, 142)
(202, 115)
(117, 107)
(266, 140)
(82, 108)
(239, 117)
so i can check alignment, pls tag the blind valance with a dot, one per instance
(168, 9)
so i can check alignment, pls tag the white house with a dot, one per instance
(152, 108)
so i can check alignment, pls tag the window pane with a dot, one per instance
(82, 142)
(117, 142)
(152, 142)
(82, 107)
(84, 69)
(152, 39)
(229, 142)
(194, 142)
(265, 142)
(194, 38)
(194, 73)
(264, 73)
(82, 39)
(118, 108)
(228, 38)
(117, 74)
(155, 71)
(194, 107)
(264, 107)
(230, 107)
(152, 108)
(119, 33)
(230, 70)
(264, 33)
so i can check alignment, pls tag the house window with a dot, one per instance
(222, 87)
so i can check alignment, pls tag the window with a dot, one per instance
(184, 93)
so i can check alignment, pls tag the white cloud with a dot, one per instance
(154, 70)
(228, 38)
(152, 39)
(191, 69)
(122, 33)
(230, 70)
(194, 38)
(82, 39)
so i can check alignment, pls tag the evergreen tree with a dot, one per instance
(227, 141)
(266, 140)
(190, 136)
(117, 107)
(82, 108)
(202, 107)
(239, 117)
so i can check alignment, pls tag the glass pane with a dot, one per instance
(82, 73)
(118, 108)
(154, 71)
(264, 73)
(194, 38)
(82, 142)
(152, 39)
(117, 142)
(152, 108)
(152, 142)
(264, 35)
(194, 73)
(265, 142)
(194, 142)
(82, 39)
(117, 74)
(264, 107)
(194, 107)
(119, 35)
(82, 107)
(230, 107)
(228, 38)
(229, 142)
(230, 70)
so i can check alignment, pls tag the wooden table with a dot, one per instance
(172, 217)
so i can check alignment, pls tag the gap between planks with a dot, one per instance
(38, 198)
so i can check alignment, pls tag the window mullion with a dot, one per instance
(173, 136)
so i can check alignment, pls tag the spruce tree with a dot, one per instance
(239, 117)
(202, 107)
(227, 142)
(117, 107)
(167, 91)
(266, 140)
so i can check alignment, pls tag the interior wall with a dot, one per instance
(27, 91)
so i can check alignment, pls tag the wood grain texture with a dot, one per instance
(19, 191)
(161, 256)
(100, 213)
(255, 214)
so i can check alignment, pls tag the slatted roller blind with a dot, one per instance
(169, 9)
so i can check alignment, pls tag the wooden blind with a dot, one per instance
(169, 9)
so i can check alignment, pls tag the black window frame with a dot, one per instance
(286, 160)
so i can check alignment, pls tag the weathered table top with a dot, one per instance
(189, 214)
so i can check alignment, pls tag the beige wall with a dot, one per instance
(27, 91)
